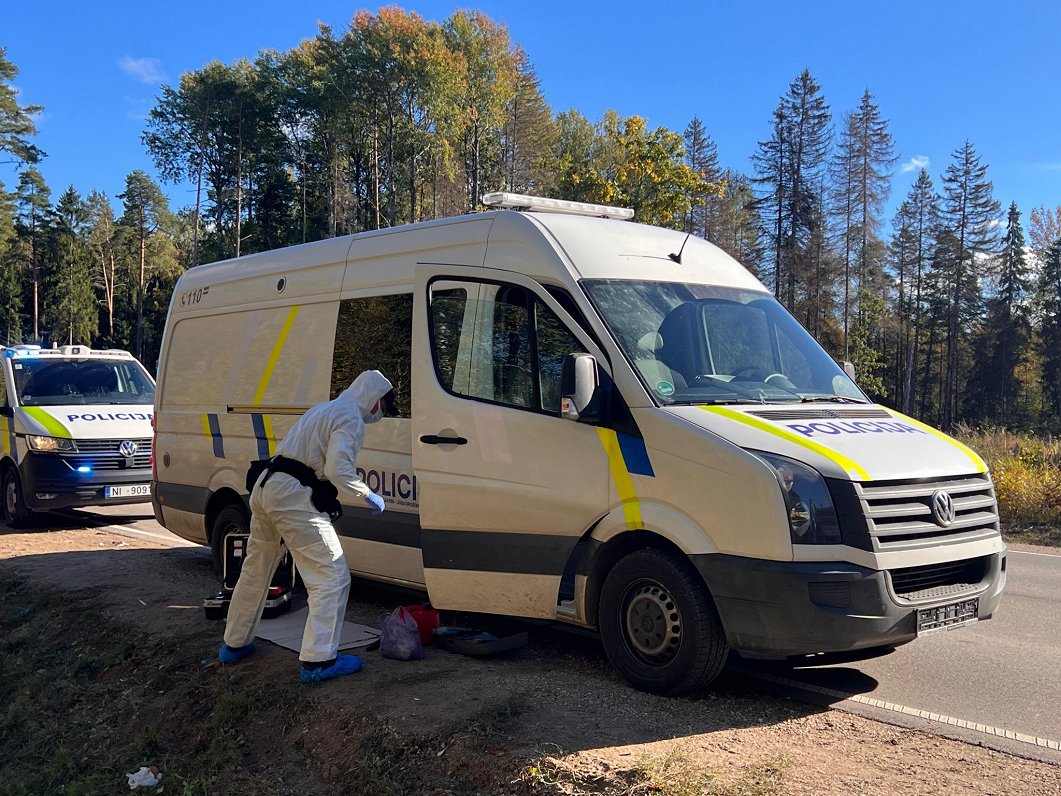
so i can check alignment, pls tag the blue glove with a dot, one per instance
(374, 502)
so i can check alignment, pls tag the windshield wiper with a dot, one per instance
(714, 401)
(841, 399)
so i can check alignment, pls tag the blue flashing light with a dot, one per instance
(84, 468)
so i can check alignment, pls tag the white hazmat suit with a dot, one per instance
(327, 439)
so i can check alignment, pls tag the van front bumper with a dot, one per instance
(777, 609)
(51, 482)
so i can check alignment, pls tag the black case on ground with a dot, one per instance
(279, 598)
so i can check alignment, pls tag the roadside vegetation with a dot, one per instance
(87, 699)
(1027, 475)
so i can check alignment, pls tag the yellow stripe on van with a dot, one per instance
(274, 357)
(5, 442)
(847, 464)
(981, 466)
(51, 425)
(206, 426)
(623, 483)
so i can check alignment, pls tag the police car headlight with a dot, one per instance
(50, 444)
(808, 504)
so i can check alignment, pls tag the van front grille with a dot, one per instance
(899, 514)
(105, 454)
(939, 580)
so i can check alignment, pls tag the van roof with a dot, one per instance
(587, 247)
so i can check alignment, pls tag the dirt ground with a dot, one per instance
(550, 719)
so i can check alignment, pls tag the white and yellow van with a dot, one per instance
(76, 427)
(604, 423)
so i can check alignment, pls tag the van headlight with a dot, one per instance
(50, 444)
(811, 515)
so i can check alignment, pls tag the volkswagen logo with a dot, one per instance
(127, 448)
(942, 508)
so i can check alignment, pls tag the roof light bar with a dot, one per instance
(65, 352)
(518, 201)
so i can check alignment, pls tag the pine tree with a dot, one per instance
(863, 182)
(16, 121)
(11, 304)
(32, 200)
(921, 219)
(528, 135)
(701, 154)
(970, 214)
(145, 211)
(103, 242)
(790, 165)
(1048, 309)
(1007, 331)
(70, 302)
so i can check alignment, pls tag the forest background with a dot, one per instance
(949, 310)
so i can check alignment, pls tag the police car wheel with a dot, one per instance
(231, 519)
(659, 625)
(13, 504)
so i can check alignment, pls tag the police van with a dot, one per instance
(603, 423)
(76, 428)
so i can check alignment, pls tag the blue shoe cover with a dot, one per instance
(229, 654)
(344, 664)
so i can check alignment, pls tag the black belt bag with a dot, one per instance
(324, 497)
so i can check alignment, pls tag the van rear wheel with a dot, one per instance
(659, 625)
(13, 509)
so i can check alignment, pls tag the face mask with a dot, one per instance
(374, 417)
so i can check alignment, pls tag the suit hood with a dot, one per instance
(367, 388)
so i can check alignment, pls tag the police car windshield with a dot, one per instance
(694, 343)
(66, 382)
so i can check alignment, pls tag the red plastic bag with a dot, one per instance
(401, 636)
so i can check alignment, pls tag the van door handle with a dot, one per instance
(434, 439)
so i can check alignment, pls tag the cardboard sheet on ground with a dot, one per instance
(287, 629)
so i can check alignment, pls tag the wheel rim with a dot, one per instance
(10, 497)
(652, 623)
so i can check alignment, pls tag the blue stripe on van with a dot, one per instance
(635, 455)
(215, 434)
(258, 422)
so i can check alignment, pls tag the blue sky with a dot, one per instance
(942, 72)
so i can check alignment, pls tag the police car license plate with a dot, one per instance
(947, 617)
(128, 490)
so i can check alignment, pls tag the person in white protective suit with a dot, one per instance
(321, 447)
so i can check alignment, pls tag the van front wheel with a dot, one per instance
(12, 502)
(659, 625)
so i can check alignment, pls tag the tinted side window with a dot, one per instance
(498, 343)
(375, 333)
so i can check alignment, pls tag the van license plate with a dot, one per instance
(128, 490)
(947, 617)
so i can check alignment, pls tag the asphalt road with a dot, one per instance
(997, 683)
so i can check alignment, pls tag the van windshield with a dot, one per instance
(694, 343)
(56, 382)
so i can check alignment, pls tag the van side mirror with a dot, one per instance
(580, 389)
(849, 369)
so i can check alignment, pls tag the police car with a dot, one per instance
(75, 425)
